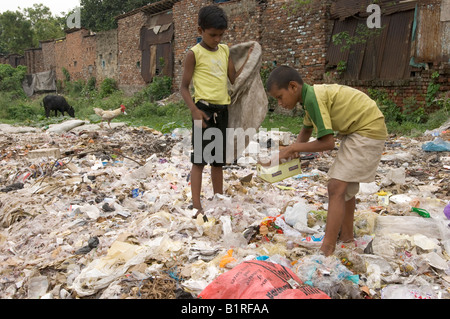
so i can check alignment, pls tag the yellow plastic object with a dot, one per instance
(277, 173)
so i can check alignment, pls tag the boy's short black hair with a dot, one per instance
(281, 76)
(212, 17)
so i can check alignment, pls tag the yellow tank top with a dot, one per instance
(210, 76)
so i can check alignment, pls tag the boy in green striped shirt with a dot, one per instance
(359, 123)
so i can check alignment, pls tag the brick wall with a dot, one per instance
(48, 55)
(416, 86)
(293, 35)
(34, 60)
(60, 58)
(77, 54)
(297, 35)
(129, 56)
(288, 35)
(106, 55)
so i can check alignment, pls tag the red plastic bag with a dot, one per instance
(260, 280)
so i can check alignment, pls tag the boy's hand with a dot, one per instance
(286, 154)
(199, 115)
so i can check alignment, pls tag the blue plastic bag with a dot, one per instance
(438, 145)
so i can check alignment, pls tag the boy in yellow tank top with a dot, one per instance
(209, 67)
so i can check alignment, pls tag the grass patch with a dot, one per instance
(142, 110)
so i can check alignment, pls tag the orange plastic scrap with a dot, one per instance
(228, 258)
(269, 222)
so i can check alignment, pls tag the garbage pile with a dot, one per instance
(91, 212)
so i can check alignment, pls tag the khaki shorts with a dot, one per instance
(356, 161)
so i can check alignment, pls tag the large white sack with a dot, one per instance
(249, 102)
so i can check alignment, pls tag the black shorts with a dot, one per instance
(212, 148)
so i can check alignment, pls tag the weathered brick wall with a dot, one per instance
(287, 35)
(34, 60)
(129, 55)
(48, 52)
(106, 55)
(297, 35)
(401, 90)
(60, 58)
(76, 53)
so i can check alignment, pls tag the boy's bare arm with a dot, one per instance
(232, 73)
(304, 135)
(325, 143)
(189, 65)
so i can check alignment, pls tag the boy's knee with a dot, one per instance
(337, 188)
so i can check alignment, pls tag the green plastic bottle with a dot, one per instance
(422, 212)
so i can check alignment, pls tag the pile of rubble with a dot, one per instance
(90, 212)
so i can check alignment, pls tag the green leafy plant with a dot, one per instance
(107, 87)
(413, 112)
(11, 79)
(159, 88)
(432, 89)
(341, 67)
(361, 36)
(391, 111)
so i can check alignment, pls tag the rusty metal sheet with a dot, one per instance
(384, 55)
(396, 54)
(334, 52)
(428, 37)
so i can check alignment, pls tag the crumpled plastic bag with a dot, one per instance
(120, 257)
(437, 145)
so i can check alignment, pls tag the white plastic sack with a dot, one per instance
(65, 126)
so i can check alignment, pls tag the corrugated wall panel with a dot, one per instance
(396, 54)
(385, 54)
(428, 44)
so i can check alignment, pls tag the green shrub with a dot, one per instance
(144, 110)
(11, 79)
(391, 111)
(159, 88)
(108, 87)
(90, 86)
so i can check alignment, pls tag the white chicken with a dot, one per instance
(109, 115)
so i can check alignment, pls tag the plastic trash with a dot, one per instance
(447, 211)
(325, 273)
(227, 259)
(37, 287)
(297, 217)
(92, 243)
(12, 187)
(422, 212)
(407, 292)
(437, 145)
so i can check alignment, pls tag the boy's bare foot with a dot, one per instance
(327, 250)
(199, 211)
